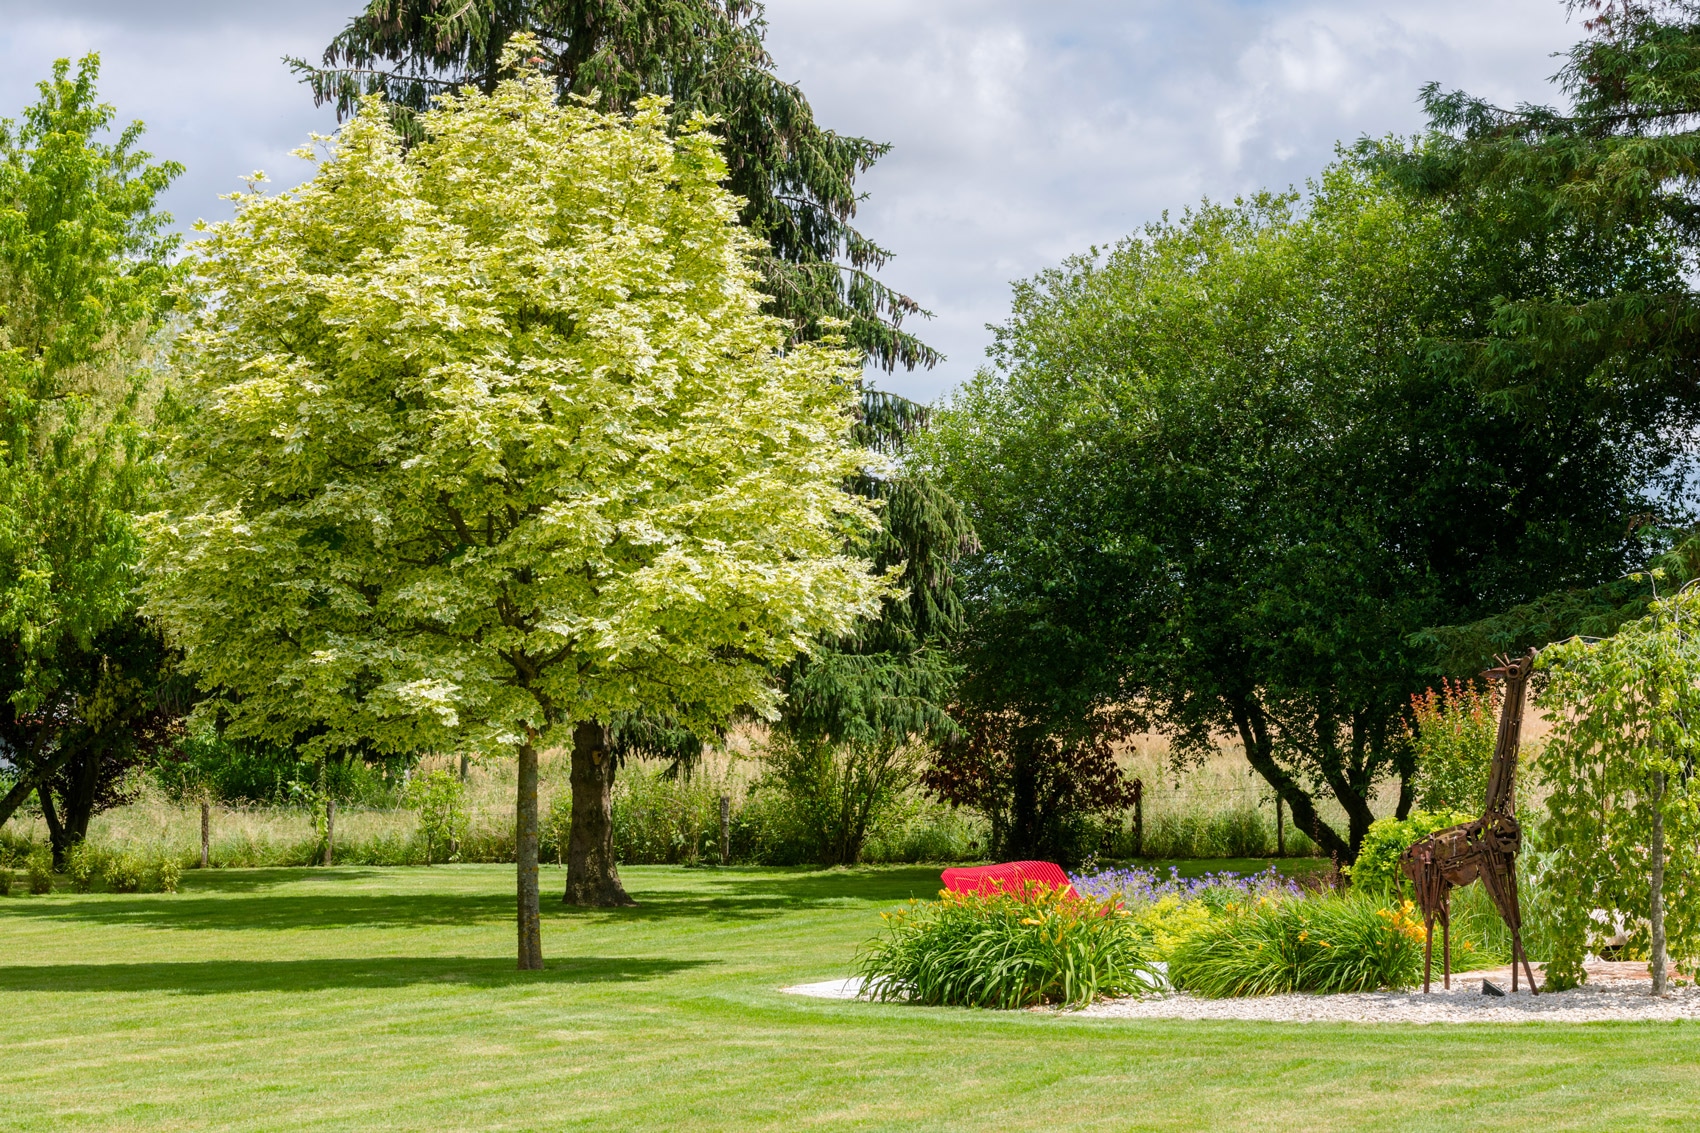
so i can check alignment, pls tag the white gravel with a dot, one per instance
(1613, 992)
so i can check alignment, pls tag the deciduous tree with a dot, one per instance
(1223, 472)
(491, 443)
(85, 271)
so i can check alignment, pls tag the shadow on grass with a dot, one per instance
(718, 896)
(224, 977)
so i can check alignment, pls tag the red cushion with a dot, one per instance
(1011, 876)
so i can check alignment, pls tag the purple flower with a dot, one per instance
(1136, 886)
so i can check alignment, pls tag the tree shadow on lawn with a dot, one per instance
(716, 897)
(220, 977)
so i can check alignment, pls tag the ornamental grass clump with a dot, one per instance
(1317, 944)
(1006, 950)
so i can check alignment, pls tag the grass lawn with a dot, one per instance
(386, 999)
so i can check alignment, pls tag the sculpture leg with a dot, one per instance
(1428, 951)
(1517, 943)
(1446, 951)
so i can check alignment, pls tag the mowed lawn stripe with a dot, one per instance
(366, 998)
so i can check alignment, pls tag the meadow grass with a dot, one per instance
(370, 998)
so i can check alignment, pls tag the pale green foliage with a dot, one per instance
(1376, 869)
(492, 434)
(440, 799)
(1456, 729)
(1624, 712)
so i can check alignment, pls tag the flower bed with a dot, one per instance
(1007, 950)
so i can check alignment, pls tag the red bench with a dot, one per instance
(1011, 877)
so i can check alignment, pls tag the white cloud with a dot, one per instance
(1023, 132)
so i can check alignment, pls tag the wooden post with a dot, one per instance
(1280, 830)
(725, 829)
(330, 827)
(1139, 819)
(206, 832)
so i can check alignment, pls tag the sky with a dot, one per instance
(1022, 132)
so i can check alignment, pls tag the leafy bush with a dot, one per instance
(1321, 944)
(1005, 950)
(919, 829)
(163, 874)
(123, 873)
(39, 867)
(664, 819)
(1377, 869)
(5, 882)
(440, 799)
(83, 863)
(1454, 735)
(837, 796)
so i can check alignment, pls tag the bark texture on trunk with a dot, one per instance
(206, 833)
(1656, 888)
(592, 879)
(525, 857)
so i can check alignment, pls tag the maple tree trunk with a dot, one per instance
(525, 858)
(592, 879)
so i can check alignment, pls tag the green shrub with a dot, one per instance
(123, 872)
(1377, 869)
(663, 819)
(5, 882)
(163, 874)
(39, 867)
(1006, 951)
(1454, 735)
(83, 863)
(440, 799)
(1319, 944)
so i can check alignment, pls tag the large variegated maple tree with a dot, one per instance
(487, 440)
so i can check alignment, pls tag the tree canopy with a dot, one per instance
(85, 274)
(489, 434)
(1604, 189)
(797, 180)
(1223, 473)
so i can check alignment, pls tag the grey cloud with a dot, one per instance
(1024, 132)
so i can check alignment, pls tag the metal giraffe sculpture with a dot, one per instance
(1486, 848)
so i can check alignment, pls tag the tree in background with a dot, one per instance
(1223, 473)
(1588, 188)
(488, 437)
(85, 271)
(797, 181)
(861, 710)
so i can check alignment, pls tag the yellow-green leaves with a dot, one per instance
(1626, 727)
(491, 434)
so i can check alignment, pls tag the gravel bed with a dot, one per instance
(1614, 992)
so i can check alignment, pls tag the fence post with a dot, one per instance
(725, 829)
(1280, 830)
(1138, 818)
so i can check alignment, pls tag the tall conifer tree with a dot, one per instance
(797, 180)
